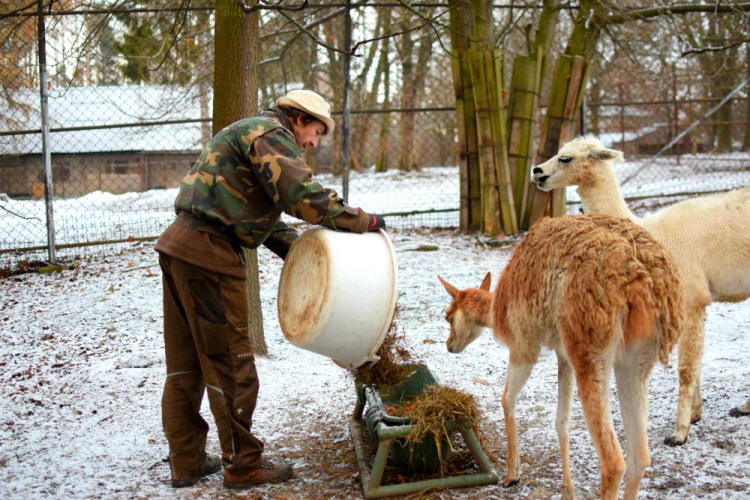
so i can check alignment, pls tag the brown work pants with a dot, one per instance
(207, 346)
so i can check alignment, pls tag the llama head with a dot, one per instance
(579, 162)
(467, 314)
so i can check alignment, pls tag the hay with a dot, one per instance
(394, 364)
(430, 411)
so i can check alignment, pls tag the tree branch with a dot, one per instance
(312, 24)
(651, 12)
(19, 215)
(263, 5)
(17, 11)
(305, 29)
(312, 35)
(701, 50)
(413, 28)
(431, 22)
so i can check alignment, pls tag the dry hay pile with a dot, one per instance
(394, 364)
(430, 411)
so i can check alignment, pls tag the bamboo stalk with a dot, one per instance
(576, 90)
(502, 166)
(568, 86)
(472, 147)
(490, 219)
(540, 203)
(463, 153)
(523, 105)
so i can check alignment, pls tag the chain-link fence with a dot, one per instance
(129, 103)
(656, 173)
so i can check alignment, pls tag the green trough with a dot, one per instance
(389, 432)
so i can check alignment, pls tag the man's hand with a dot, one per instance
(376, 222)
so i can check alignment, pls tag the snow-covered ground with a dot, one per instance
(81, 372)
(101, 216)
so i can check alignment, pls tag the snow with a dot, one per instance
(82, 368)
(102, 216)
(105, 105)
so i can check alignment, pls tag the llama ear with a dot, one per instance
(452, 290)
(606, 154)
(486, 283)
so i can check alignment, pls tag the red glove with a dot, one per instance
(376, 222)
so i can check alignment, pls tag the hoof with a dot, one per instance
(695, 420)
(674, 441)
(737, 412)
(568, 493)
(508, 484)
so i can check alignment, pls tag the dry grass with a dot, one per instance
(394, 364)
(430, 411)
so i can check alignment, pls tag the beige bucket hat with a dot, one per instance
(309, 102)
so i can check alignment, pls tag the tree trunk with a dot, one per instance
(595, 94)
(725, 81)
(423, 62)
(336, 81)
(370, 96)
(406, 120)
(470, 213)
(381, 162)
(527, 79)
(312, 81)
(746, 137)
(236, 62)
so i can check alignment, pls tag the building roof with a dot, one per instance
(92, 106)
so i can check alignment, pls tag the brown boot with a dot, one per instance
(210, 465)
(268, 472)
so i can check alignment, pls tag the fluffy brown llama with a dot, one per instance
(708, 236)
(604, 295)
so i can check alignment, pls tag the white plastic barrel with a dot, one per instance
(337, 294)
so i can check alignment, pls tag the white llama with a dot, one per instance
(708, 236)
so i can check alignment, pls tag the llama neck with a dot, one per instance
(603, 196)
(479, 309)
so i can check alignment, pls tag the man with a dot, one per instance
(249, 174)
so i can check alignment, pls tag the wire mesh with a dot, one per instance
(130, 99)
(696, 165)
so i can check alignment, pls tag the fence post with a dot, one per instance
(46, 154)
(622, 118)
(675, 112)
(346, 119)
(583, 115)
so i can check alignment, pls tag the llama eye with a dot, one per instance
(565, 159)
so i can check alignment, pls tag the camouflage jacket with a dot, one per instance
(250, 173)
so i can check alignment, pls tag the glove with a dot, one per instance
(376, 222)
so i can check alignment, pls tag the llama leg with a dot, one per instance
(593, 388)
(562, 422)
(696, 412)
(518, 374)
(697, 409)
(632, 373)
(741, 411)
(690, 353)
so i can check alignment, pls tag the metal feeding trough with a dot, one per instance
(389, 432)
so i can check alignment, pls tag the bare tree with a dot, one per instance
(236, 62)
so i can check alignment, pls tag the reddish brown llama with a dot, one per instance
(604, 295)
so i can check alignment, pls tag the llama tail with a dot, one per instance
(654, 309)
(672, 312)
